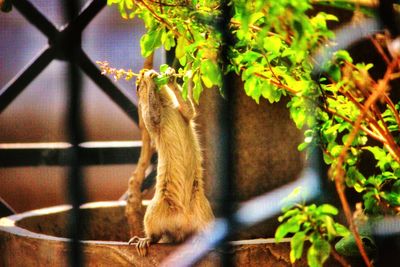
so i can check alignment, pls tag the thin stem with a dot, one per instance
(339, 258)
(380, 50)
(389, 143)
(366, 130)
(161, 4)
(277, 84)
(340, 172)
(238, 24)
(121, 73)
(159, 19)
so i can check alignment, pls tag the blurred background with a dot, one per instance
(38, 113)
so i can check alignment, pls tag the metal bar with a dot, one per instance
(5, 209)
(75, 129)
(12, 89)
(36, 18)
(56, 154)
(227, 143)
(90, 10)
(117, 95)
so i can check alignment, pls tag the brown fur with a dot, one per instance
(179, 207)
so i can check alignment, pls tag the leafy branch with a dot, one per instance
(313, 224)
(338, 171)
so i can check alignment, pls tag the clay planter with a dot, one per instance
(39, 238)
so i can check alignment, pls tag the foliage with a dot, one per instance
(314, 224)
(188, 28)
(345, 103)
(270, 54)
(343, 110)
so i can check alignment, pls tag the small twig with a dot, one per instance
(339, 258)
(238, 24)
(380, 50)
(160, 19)
(363, 128)
(272, 71)
(160, 4)
(367, 3)
(276, 83)
(121, 73)
(117, 73)
(166, 4)
(389, 143)
(340, 172)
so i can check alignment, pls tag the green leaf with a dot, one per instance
(150, 41)
(342, 55)
(255, 17)
(272, 44)
(327, 159)
(197, 89)
(341, 230)
(334, 72)
(354, 176)
(249, 85)
(392, 197)
(318, 253)
(330, 228)
(296, 245)
(161, 80)
(251, 56)
(302, 146)
(168, 40)
(291, 226)
(328, 209)
(180, 48)
(288, 214)
(336, 150)
(270, 92)
(210, 73)
(163, 68)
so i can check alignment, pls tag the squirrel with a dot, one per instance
(179, 207)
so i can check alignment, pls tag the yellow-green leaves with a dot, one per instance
(210, 73)
(124, 7)
(150, 41)
(272, 44)
(312, 224)
(318, 253)
(168, 39)
(180, 52)
(290, 226)
(297, 244)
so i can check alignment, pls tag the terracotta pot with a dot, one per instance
(39, 238)
(265, 154)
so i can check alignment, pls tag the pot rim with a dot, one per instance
(9, 225)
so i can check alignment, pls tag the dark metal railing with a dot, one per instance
(55, 154)
(58, 42)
